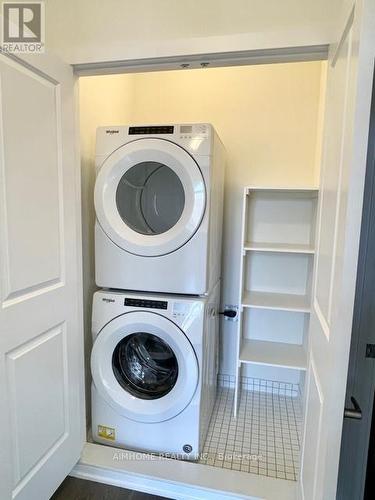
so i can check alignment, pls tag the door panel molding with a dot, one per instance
(321, 318)
(41, 342)
(330, 201)
(313, 383)
(22, 385)
(21, 214)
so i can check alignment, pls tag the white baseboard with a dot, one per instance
(178, 480)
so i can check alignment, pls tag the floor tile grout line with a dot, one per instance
(266, 458)
(223, 401)
(207, 443)
(215, 421)
(282, 438)
(290, 413)
(256, 419)
(227, 436)
(234, 444)
(290, 439)
(251, 426)
(243, 436)
(274, 430)
(296, 424)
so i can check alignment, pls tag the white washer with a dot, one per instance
(154, 368)
(159, 208)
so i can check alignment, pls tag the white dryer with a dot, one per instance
(159, 208)
(154, 370)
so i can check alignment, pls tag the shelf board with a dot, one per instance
(278, 247)
(284, 189)
(277, 301)
(273, 354)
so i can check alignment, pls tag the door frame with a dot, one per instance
(173, 478)
(356, 434)
(212, 60)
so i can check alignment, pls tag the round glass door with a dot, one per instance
(145, 365)
(150, 197)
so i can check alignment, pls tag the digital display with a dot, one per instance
(150, 304)
(186, 129)
(153, 129)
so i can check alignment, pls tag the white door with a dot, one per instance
(350, 73)
(150, 197)
(41, 359)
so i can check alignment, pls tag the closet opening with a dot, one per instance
(269, 119)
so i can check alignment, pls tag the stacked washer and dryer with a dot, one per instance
(159, 208)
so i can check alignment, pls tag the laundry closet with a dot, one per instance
(236, 388)
(269, 120)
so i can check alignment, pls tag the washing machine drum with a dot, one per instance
(144, 366)
(150, 197)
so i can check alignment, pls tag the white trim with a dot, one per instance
(321, 399)
(345, 33)
(79, 278)
(151, 486)
(340, 174)
(312, 372)
(322, 320)
(215, 59)
(181, 480)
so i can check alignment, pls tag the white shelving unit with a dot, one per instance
(277, 251)
(279, 354)
(279, 247)
(278, 301)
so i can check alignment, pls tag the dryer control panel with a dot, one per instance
(151, 129)
(195, 138)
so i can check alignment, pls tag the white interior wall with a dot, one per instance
(268, 118)
(119, 30)
(108, 101)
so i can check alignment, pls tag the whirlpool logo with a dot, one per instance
(108, 300)
(112, 131)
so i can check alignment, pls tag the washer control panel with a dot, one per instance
(149, 304)
(179, 310)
